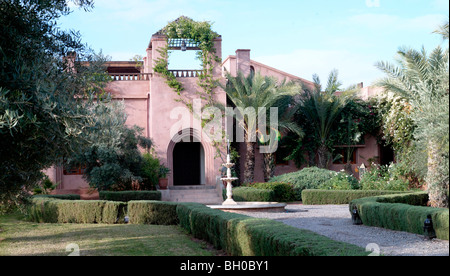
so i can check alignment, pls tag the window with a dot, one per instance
(341, 154)
(252, 70)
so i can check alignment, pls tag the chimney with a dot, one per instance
(243, 61)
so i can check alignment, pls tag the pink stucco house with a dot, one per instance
(195, 171)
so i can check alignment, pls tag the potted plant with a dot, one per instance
(163, 181)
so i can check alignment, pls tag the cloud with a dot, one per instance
(392, 23)
(441, 4)
(353, 68)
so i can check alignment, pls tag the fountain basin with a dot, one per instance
(247, 206)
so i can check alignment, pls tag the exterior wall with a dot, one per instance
(163, 102)
(149, 104)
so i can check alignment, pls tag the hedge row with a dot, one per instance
(401, 213)
(66, 197)
(51, 210)
(126, 196)
(237, 234)
(252, 194)
(240, 235)
(152, 212)
(323, 197)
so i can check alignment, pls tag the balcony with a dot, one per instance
(130, 76)
(186, 73)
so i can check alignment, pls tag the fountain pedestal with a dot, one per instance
(229, 179)
(229, 205)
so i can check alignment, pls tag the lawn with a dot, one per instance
(22, 238)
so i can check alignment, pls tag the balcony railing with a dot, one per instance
(147, 76)
(130, 76)
(186, 73)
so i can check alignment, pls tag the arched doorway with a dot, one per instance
(188, 164)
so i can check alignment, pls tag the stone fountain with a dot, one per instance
(229, 179)
(230, 205)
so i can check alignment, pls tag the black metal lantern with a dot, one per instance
(428, 229)
(356, 219)
(183, 46)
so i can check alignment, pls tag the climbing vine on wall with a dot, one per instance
(203, 36)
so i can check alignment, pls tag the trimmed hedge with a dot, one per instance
(398, 212)
(50, 210)
(324, 197)
(126, 196)
(252, 194)
(283, 192)
(66, 197)
(238, 234)
(241, 235)
(152, 212)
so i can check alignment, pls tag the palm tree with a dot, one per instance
(322, 109)
(423, 80)
(287, 107)
(254, 92)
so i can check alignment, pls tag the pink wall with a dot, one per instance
(149, 103)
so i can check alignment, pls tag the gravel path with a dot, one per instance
(334, 221)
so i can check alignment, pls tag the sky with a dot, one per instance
(296, 36)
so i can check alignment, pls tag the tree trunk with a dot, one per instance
(249, 173)
(269, 166)
(437, 183)
(322, 156)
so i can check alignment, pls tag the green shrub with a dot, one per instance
(252, 194)
(396, 212)
(66, 197)
(307, 178)
(384, 178)
(283, 192)
(324, 197)
(114, 212)
(240, 235)
(126, 196)
(341, 181)
(149, 172)
(50, 210)
(152, 212)
(80, 211)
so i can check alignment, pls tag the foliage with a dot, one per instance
(397, 124)
(44, 90)
(326, 197)
(251, 194)
(307, 178)
(152, 212)
(283, 192)
(422, 79)
(163, 171)
(50, 210)
(111, 157)
(404, 212)
(318, 114)
(387, 177)
(240, 235)
(341, 181)
(126, 196)
(149, 171)
(255, 92)
(201, 34)
(45, 186)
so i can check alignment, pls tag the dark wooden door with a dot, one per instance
(186, 164)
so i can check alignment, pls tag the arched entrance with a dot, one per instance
(188, 164)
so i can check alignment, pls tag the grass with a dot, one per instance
(19, 237)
